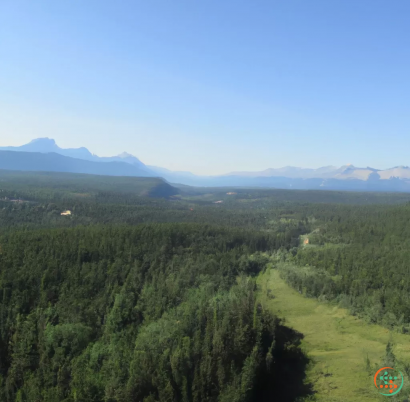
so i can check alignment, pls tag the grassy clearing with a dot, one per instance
(336, 342)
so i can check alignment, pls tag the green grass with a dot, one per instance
(336, 342)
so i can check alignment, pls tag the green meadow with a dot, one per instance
(337, 343)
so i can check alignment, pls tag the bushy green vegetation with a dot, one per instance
(360, 258)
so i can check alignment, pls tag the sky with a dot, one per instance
(210, 86)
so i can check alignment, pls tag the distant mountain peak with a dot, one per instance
(125, 155)
(44, 140)
(47, 145)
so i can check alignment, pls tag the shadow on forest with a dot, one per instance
(286, 382)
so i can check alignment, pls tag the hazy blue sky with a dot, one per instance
(210, 86)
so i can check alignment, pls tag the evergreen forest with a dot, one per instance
(147, 292)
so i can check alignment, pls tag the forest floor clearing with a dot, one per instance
(336, 342)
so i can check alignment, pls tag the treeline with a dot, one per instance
(136, 210)
(160, 312)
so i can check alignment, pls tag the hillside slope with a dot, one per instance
(53, 162)
(83, 184)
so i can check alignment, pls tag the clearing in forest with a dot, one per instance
(336, 342)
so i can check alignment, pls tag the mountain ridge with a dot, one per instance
(54, 162)
(344, 172)
(47, 145)
(347, 177)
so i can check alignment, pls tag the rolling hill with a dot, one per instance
(82, 185)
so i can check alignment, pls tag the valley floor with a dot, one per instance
(336, 342)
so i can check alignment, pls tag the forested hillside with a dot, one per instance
(100, 306)
(153, 312)
(49, 186)
(138, 298)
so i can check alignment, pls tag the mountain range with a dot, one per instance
(48, 145)
(346, 172)
(43, 154)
